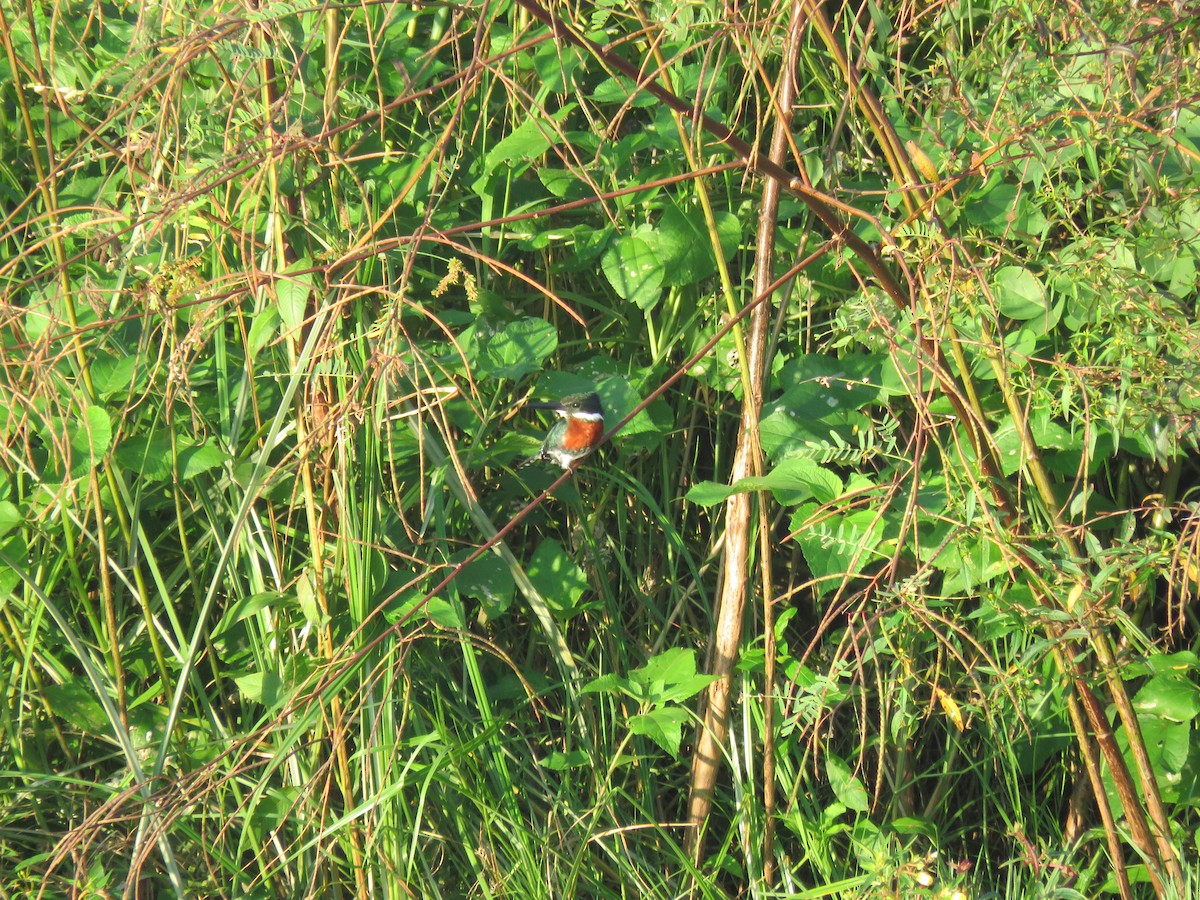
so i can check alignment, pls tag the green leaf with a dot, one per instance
(196, 459)
(267, 688)
(670, 677)
(244, 609)
(821, 404)
(489, 581)
(1167, 744)
(664, 726)
(562, 182)
(520, 348)
(557, 578)
(619, 89)
(685, 247)
(1173, 697)
(293, 291)
(306, 599)
(90, 440)
(559, 761)
(609, 683)
(619, 398)
(73, 701)
(970, 561)
(1019, 293)
(263, 330)
(793, 481)
(846, 787)
(915, 825)
(991, 206)
(446, 613)
(527, 141)
(836, 545)
(113, 374)
(10, 517)
(633, 268)
(147, 456)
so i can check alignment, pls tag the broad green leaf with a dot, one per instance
(619, 398)
(670, 677)
(263, 330)
(846, 787)
(605, 684)
(267, 688)
(520, 348)
(10, 517)
(147, 456)
(196, 459)
(90, 440)
(792, 481)
(446, 613)
(87, 190)
(1168, 743)
(664, 726)
(836, 545)
(113, 374)
(1158, 256)
(306, 599)
(991, 206)
(489, 581)
(561, 183)
(1178, 662)
(1019, 293)
(685, 246)
(1183, 276)
(561, 762)
(633, 268)
(527, 141)
(74, 702)
(841, 382)
(619, 89)
(822, 394)
(808, 416)
(243, 609)
(557, 578)
(1170, 696)
(553, 64)
(970, 561)
(293, 292)
(914, 825)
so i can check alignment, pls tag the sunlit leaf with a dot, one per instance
(1019, 293)
(633, 268)
(293, 291)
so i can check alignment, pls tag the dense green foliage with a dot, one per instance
(276, 281)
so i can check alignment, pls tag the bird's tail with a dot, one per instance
(538, 457)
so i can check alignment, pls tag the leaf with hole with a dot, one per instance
(489, 581)
(633, 268)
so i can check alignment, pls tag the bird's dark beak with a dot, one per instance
(545, 404)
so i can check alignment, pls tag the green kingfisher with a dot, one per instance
(576, 434)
